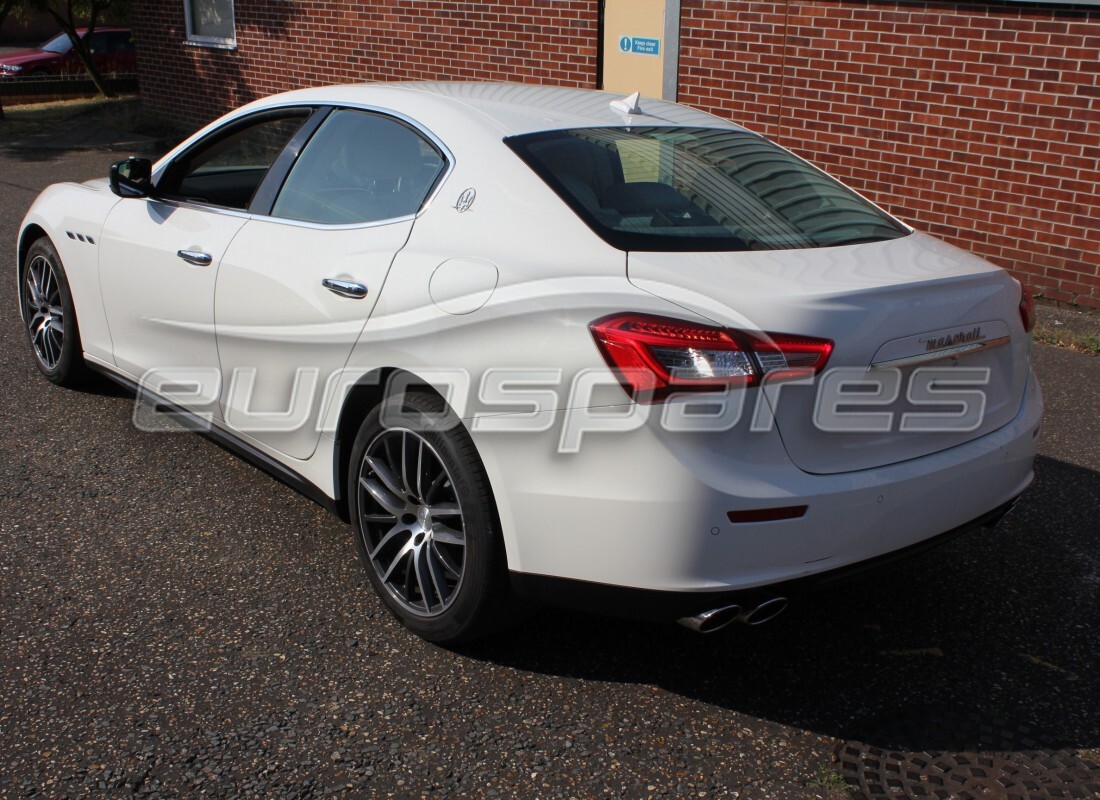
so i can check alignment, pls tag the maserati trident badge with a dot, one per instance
(465, 200)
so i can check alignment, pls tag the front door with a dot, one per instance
(160, 257)
(158, 266)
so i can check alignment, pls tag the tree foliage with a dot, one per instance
(6, 7)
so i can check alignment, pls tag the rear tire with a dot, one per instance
(49, 317)
(426, 523)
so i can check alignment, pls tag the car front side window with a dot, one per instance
(227, 170)
(360, 167)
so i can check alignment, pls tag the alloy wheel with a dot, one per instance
(411, 521)
(43, 311)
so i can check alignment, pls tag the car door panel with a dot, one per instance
(160, 307)
(282, 335)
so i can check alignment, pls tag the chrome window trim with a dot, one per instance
(224, 211)
(345, 226)
(412, 123)
(234, 212)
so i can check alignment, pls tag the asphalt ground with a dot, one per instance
(175, 623)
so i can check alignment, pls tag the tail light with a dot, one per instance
(1027, 307)
(655, 357)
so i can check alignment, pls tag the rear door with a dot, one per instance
(300, 279)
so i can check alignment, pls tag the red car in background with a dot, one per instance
(112, 51)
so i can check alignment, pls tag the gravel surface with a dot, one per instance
(175, 623)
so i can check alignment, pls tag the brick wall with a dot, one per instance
(979, 122)
(289, 45)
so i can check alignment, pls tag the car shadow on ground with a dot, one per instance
(99, 384)
(992, 638)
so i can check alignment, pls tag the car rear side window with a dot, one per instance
(665, 188)
(360, 167)
(120, 42)
(97, 42)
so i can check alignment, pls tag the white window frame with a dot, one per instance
(209, 41)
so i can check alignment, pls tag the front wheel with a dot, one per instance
(426, 522)
(49, 316)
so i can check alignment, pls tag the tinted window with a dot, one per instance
(119, 42)
(228, 170)
(360, 167)
(97, 43)
(650, 188)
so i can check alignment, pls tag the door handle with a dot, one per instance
(356, 291)
(196, 257)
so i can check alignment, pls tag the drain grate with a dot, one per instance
(962, 758)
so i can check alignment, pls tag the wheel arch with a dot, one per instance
(368, 391)
(30, 234)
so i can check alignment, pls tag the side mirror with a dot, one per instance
(132, 177)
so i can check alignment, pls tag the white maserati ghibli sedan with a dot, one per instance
(545, 345)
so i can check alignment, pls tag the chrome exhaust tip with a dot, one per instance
(718, 618)
(712, 620)
(765, 612)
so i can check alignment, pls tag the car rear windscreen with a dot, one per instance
(690, 189)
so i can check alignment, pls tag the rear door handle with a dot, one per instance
(345, 288)
(196, 257)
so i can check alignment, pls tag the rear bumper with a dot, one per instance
(648, 511)
(619, 601)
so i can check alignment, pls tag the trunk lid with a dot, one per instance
(888, 304)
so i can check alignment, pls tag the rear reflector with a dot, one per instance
(767, 514)
(655, 357)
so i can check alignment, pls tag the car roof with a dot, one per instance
(513, 108)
